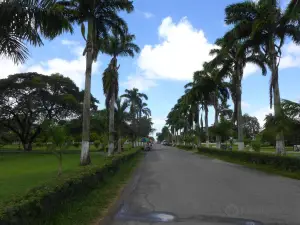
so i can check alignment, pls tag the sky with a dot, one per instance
(175, 38)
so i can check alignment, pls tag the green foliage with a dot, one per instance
(76, 144)
(38, 99)
(97, 143)
(39, 202)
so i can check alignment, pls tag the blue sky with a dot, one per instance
(175, 38)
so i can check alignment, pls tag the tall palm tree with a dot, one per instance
(27, 21)
(232, 57)
(115, 46)
(101, 17)
(144, 110)
(121, 116)
(135, 98)
(264, 25)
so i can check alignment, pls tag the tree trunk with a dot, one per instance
(59, 164)
(218, 138)
(240, 125)
(206, 125)
(85, 155)
(27, 146)
(280, 148)
(119, 144)
(111, 146)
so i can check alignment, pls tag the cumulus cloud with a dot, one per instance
(140, 82)
(261, 113)
(181, 51)
(73, 68)
(291, 56)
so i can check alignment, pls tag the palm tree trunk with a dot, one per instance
(85, 155)
(280, 148)
(111, 145)
(240, 126)
(206, 125)
(218, 138)
(119, 142)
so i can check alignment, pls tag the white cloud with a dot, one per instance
(69, 42)
(148, 15)
(8, 67)
(291, 56)
(140, 82)
(158, 124)
(74, 68)
(245, 105)
(250, 69)
(261, 113)
(181, 51)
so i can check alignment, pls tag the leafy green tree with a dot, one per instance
(121, 118)
(251, 126)
(29, 21)
(101, 17)
(265, 26)
(59, 141)
(28, 100)
(231, 57)
(135, 98)
(115, 46)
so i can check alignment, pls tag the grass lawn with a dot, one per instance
(42, 148)
(89, 209)
(21, 172)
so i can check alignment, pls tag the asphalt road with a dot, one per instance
(180, 187)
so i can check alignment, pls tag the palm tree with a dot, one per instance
(232, 57)
(144, 110)
(264, 25)
(135, 98)
(116, 45)
(101, 17)
(121, 116)
(27, 21)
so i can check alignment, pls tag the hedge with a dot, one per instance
(286, 163)
(44, 200)
(186, 147)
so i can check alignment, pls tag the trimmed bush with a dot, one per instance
(285, 163)
(185, 147)
(44, 200)
(97, 144)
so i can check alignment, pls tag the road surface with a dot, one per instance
(180, 187)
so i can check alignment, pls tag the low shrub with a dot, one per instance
(76, 144)
(285, 163)
(44, 200)
(256, 145)
(97, 144)
(186, 147)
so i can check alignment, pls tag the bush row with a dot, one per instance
(285, 163)
(40, 202)
(186, 147)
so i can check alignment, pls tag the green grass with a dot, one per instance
(88, 209)
(21, 172)
(42, 148)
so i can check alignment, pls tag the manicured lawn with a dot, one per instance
(90, 208)
(21, 172)
(42, 148)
